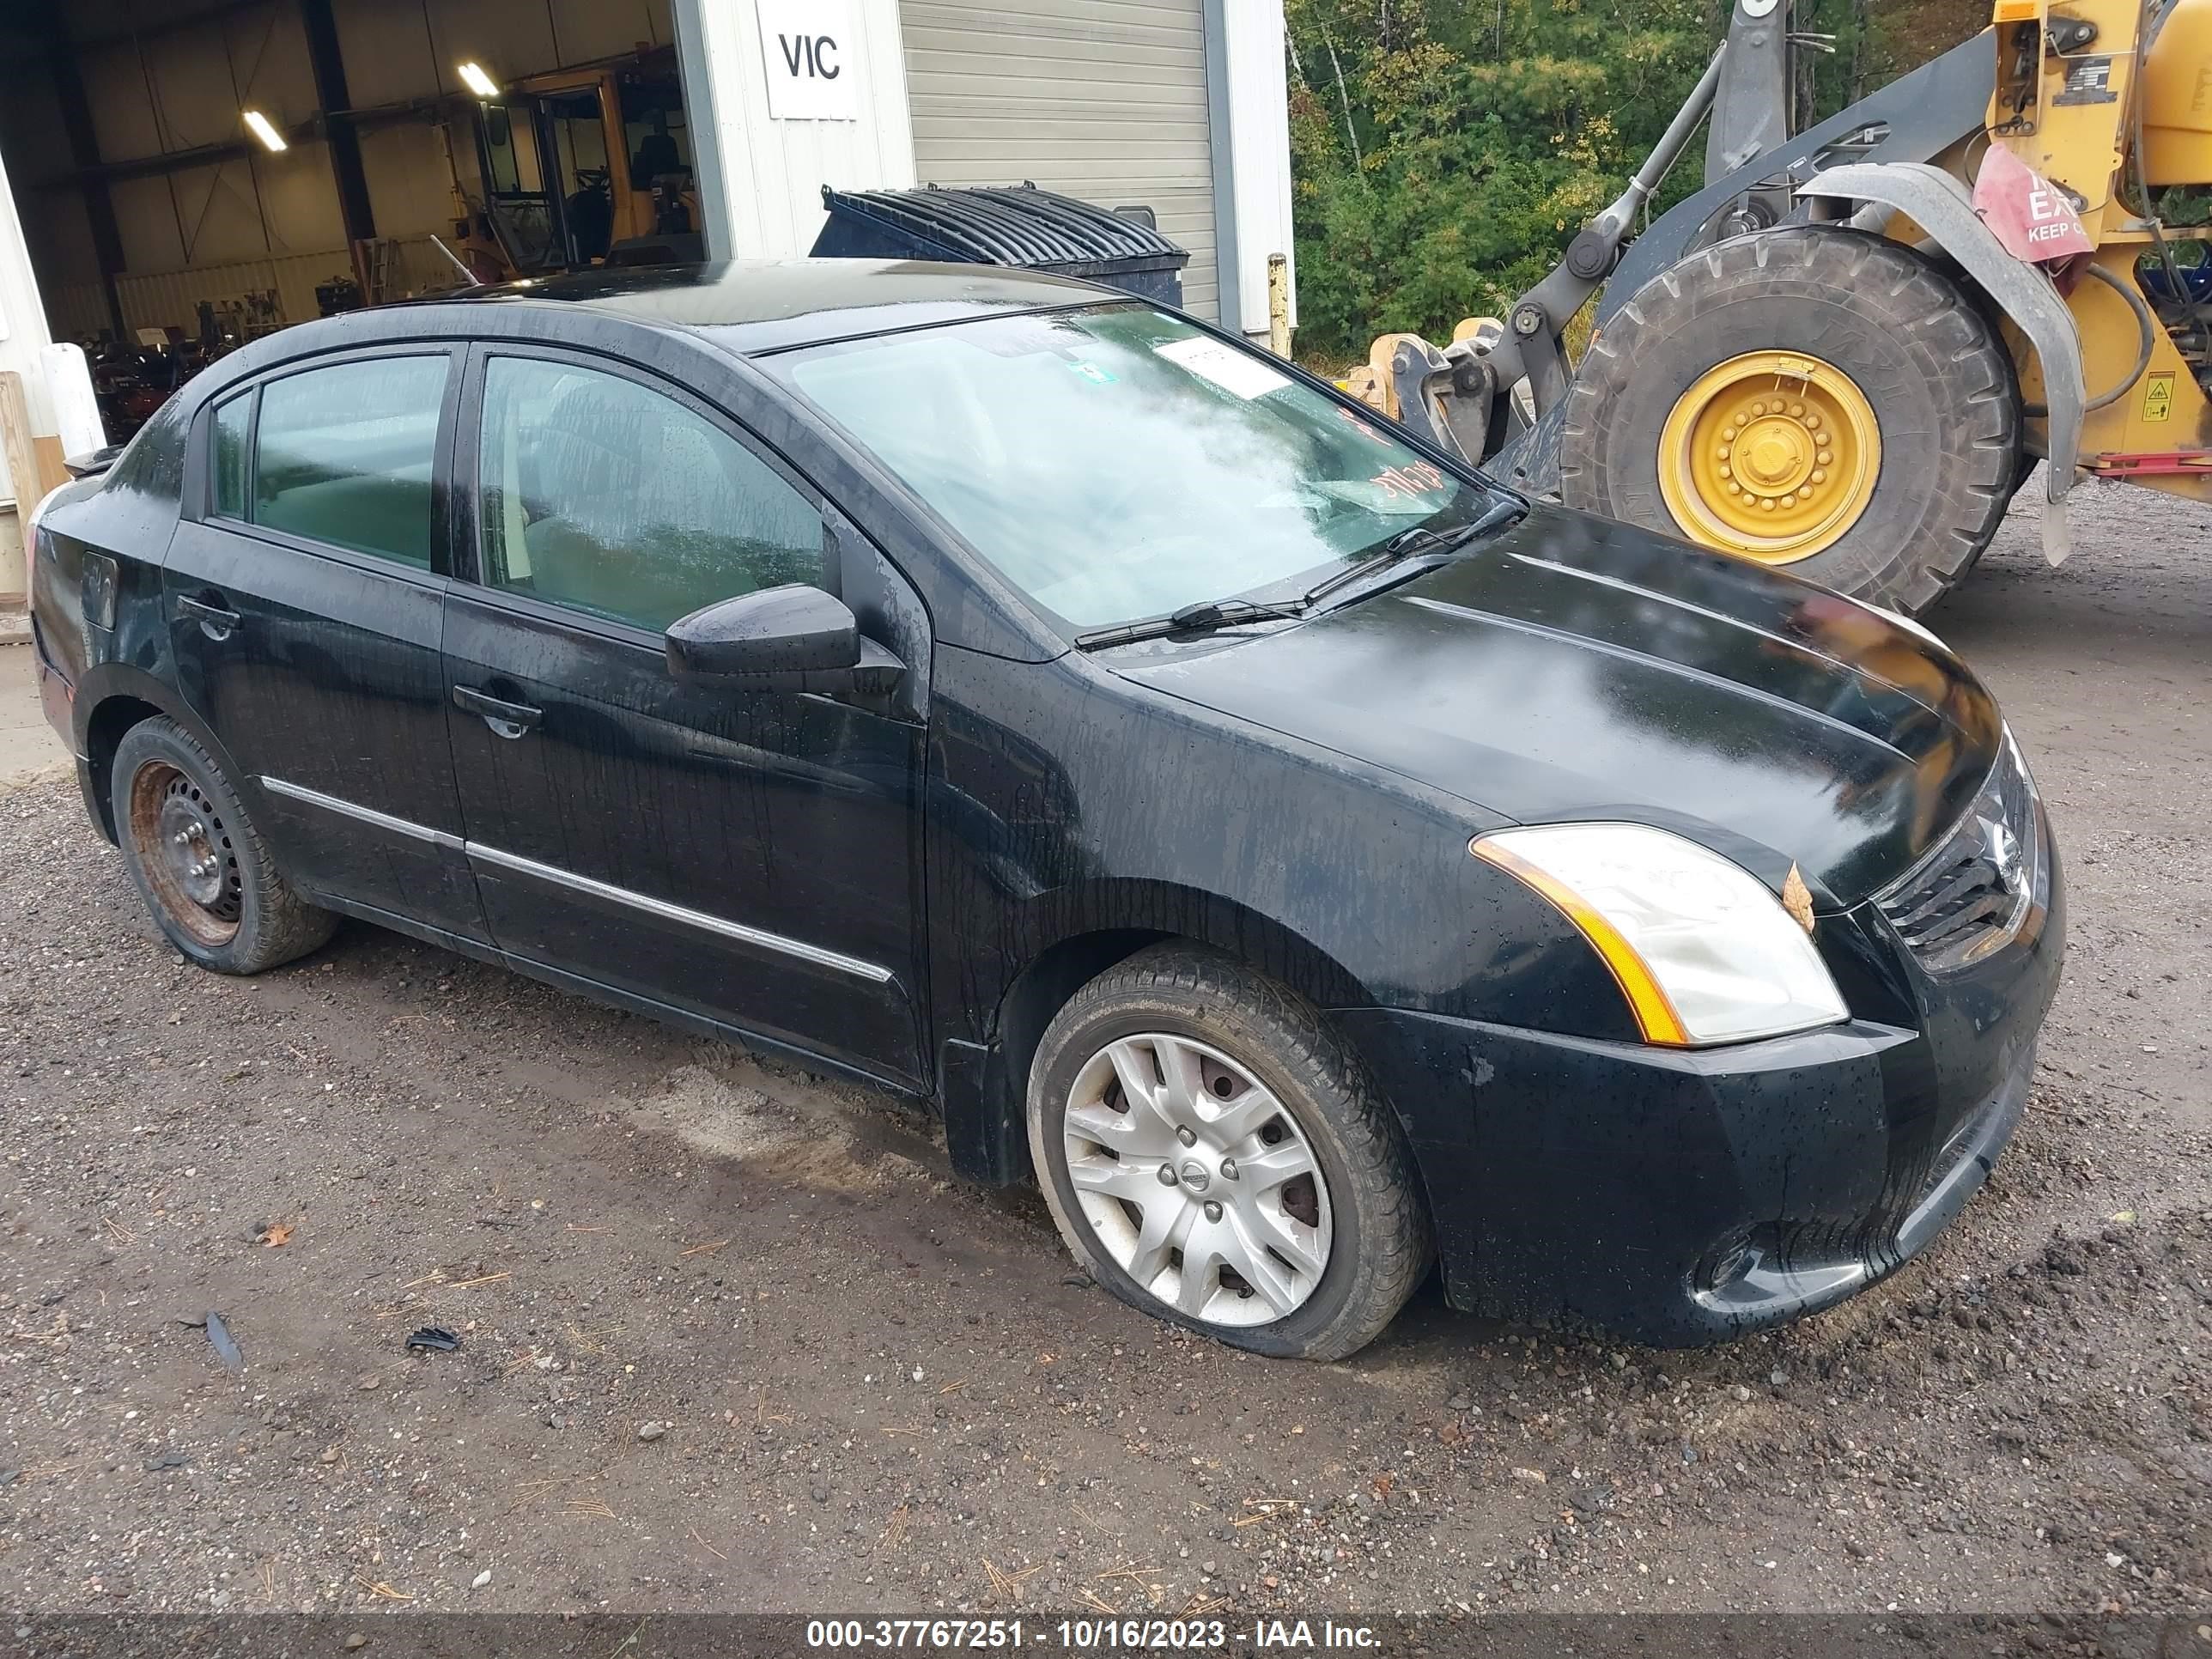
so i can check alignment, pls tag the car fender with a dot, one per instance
(1064, 936)
(103, 684)
(1942, 207)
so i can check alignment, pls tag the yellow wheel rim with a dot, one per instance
(1772, 455)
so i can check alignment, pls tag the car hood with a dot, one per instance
(1575, 669)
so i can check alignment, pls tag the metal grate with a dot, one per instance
(1972, 894)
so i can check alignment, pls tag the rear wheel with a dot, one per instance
(1214, 1156)
(1812, 397)
(202, 866)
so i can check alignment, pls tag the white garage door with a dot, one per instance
(1102, 99)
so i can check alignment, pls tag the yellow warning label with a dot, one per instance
(2158, 397)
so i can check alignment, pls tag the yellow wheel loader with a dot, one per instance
(1845, 355)
(581, 166)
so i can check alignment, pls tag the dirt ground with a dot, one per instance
(733, 1338)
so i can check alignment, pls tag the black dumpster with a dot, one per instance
(1003, 225)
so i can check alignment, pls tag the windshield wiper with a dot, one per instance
(1414, 542)
(1198, 618)
(1209, 614)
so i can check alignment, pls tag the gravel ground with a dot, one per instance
(733, 1337)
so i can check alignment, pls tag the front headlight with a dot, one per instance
(1702, 949)
(2019, 764)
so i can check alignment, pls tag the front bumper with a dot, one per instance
(1681, 1197)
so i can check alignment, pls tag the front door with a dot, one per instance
(305, 593)
(752, 857)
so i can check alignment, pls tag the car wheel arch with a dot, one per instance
(986, 1122)
(103, 735)
(116, 698)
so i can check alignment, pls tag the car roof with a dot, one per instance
(765, 305)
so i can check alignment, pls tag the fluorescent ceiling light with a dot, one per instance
(264, 130)
(474, 78)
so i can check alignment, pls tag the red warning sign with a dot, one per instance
(2032, 217)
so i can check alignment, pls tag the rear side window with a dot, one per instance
(153, 464)
(344, 455)
(233, 432)
(605, 495)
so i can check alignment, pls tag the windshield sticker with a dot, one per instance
(1235, 373)
(1092, 373)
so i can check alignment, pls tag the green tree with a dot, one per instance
(1445, 151)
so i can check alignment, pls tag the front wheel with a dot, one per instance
(1812, 397)
(1213, 1155)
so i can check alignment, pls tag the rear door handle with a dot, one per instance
(507, 719)
(214, 621)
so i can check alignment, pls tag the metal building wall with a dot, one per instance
(23, 333)
(171, 298)
(1103, 100)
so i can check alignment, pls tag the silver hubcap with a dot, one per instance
(1197, 1181)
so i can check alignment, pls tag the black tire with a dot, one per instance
(1942, 386)
(245, 918)
(1380, 1246)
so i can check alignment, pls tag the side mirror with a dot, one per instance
(793, 638)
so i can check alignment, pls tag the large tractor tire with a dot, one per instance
(1812, 397)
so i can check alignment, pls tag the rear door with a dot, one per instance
(305, 591)
(751, 856)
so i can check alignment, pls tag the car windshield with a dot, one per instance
(1117, 463)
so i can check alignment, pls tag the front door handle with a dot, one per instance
(507, 719)
(214, 621)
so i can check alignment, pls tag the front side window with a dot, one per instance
(1117, 463)
(602, 495)
(233, 432)
(344, 455)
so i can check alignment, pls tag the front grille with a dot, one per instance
(1972, 893)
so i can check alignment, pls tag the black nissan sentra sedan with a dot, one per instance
(1306, 860)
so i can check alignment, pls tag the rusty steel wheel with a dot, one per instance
(198, 861)
(186, 853)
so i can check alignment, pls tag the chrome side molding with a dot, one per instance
(760, 938)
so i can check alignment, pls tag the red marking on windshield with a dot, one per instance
(1415, 478)
(1358, 425)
